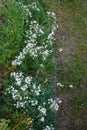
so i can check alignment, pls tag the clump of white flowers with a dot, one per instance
(27, 93)
(49, 127)
(31, 48)
(34, 6)
(42, 110)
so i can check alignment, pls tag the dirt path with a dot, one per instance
(69, 118)
(68, 45)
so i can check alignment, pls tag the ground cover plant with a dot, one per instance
(26, 65)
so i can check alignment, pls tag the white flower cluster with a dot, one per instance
(33, 102)
(28, 12)
(21, 93)
(31, 42)
(34, 6)
(27, 8)
(22, 84)
(54, 103)
(54, 27)
(36, 89)
(43, 113)
(18, 77)
(24, 90)
(60, 50)
(49, 127)
(22, 96)
(42, 110)
(52, 15)
(34, 31)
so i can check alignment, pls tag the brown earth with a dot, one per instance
(66, 114)
(68, 117)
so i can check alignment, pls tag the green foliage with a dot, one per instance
(12, 33)
(4, 124)
(27, 47)
(20, 121)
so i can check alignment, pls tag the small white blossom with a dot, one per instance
(24, 87)
(34, 102)
(59, 84)
(42, 110)
(28, 80)
(60, 101)
(50, 101)
(54, 105)
(71, 86)
(60, 50)
(42, 119)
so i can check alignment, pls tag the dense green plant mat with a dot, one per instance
(26, 58)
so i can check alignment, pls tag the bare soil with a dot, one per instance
(68, 117)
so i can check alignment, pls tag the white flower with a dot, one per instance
(59, 84)
(44, 103)
(39, 107)
(50, 101)
(54, 105)
(37, 93)
(24, 87)
(60, 50)
(50, 36)
(42, 119)
(41, 65)
(34, 86)
(47, 128)
(18, 77)
(20, 104)
(60, 101)
(18, 82)
(28, 80)
(33, 103)
(20, 98)
(14, 96)
(71, 86)
(46, 52)
(43, 111)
